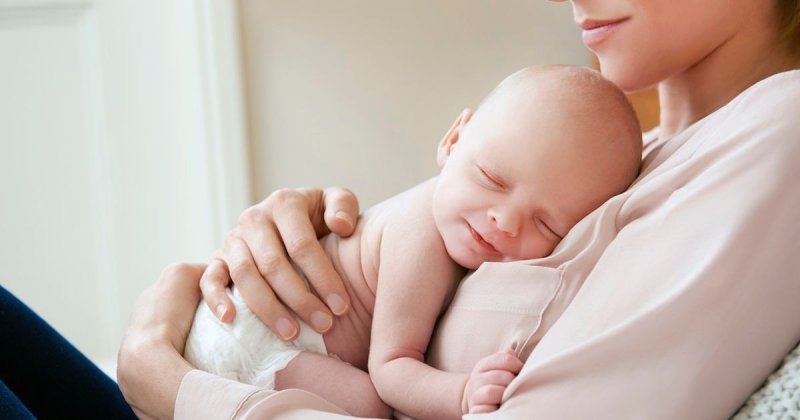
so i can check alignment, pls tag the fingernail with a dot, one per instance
(344, 216)
(220, 311)
(321, 321)
(285, 328)
(336, 303)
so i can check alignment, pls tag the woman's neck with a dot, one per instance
(719, 77)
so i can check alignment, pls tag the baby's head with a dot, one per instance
(548, 146)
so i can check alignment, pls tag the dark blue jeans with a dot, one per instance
(42, 375)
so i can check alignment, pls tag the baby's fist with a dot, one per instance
(489, 380)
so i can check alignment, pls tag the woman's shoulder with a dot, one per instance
(752, 142)
(768, 107)
(763, 119)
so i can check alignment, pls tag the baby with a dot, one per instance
(544, 149)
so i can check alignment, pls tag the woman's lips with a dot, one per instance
(482, 242)
(596, 31)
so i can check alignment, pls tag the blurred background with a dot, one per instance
(135, 132)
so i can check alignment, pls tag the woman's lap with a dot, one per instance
(46, 374)
(11, 408)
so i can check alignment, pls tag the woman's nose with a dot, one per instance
(506, 220)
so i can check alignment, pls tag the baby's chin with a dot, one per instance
(466, 259)
(472, 260)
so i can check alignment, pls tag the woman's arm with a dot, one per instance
(256, 256)
(155, 378)
(150, 366)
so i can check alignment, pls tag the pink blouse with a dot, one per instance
(673, 300)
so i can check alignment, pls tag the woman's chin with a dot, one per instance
(629, 79)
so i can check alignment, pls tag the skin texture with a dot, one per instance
(737, 47)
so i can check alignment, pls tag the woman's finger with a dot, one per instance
(258, 296)
(285, 221)
(213, 284)
(299, 237)
(287, 283)
(341, 210)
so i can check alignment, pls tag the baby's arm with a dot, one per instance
(416, 277)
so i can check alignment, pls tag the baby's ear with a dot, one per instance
(452, 137)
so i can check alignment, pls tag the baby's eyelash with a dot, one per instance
(548, 228)
(484, 174)
(489, 178)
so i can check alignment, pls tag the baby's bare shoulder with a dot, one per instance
(396, 231)
(406, 216)
(412, 252)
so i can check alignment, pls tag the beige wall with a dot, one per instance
(359, 92)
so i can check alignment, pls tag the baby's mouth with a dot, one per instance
(481, 241)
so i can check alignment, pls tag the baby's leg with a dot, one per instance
(338, 382)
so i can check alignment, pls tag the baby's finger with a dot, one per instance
(497, 377)
(487, 395)
(483, 408)
(502, 360)
(213, 282)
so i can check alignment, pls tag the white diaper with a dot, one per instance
(244, 350)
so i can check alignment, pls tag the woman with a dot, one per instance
(673, 300)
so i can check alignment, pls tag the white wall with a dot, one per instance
(358, 92)
(113, 161)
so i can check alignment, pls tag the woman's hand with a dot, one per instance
(488, 380)
(255, 258)
(150, 365)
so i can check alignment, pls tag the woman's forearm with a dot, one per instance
(150, 366)
(150, 373)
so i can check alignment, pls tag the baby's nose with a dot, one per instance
(506, 221)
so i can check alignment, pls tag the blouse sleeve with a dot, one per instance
(695, 301)
(205, 396)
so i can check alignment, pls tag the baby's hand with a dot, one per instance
(489, 380)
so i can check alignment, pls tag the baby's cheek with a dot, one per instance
(537, 247)
(456, 249)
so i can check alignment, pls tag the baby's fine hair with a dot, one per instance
(584, 93)
(580, 83)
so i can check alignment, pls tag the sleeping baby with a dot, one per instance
(544, 149)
